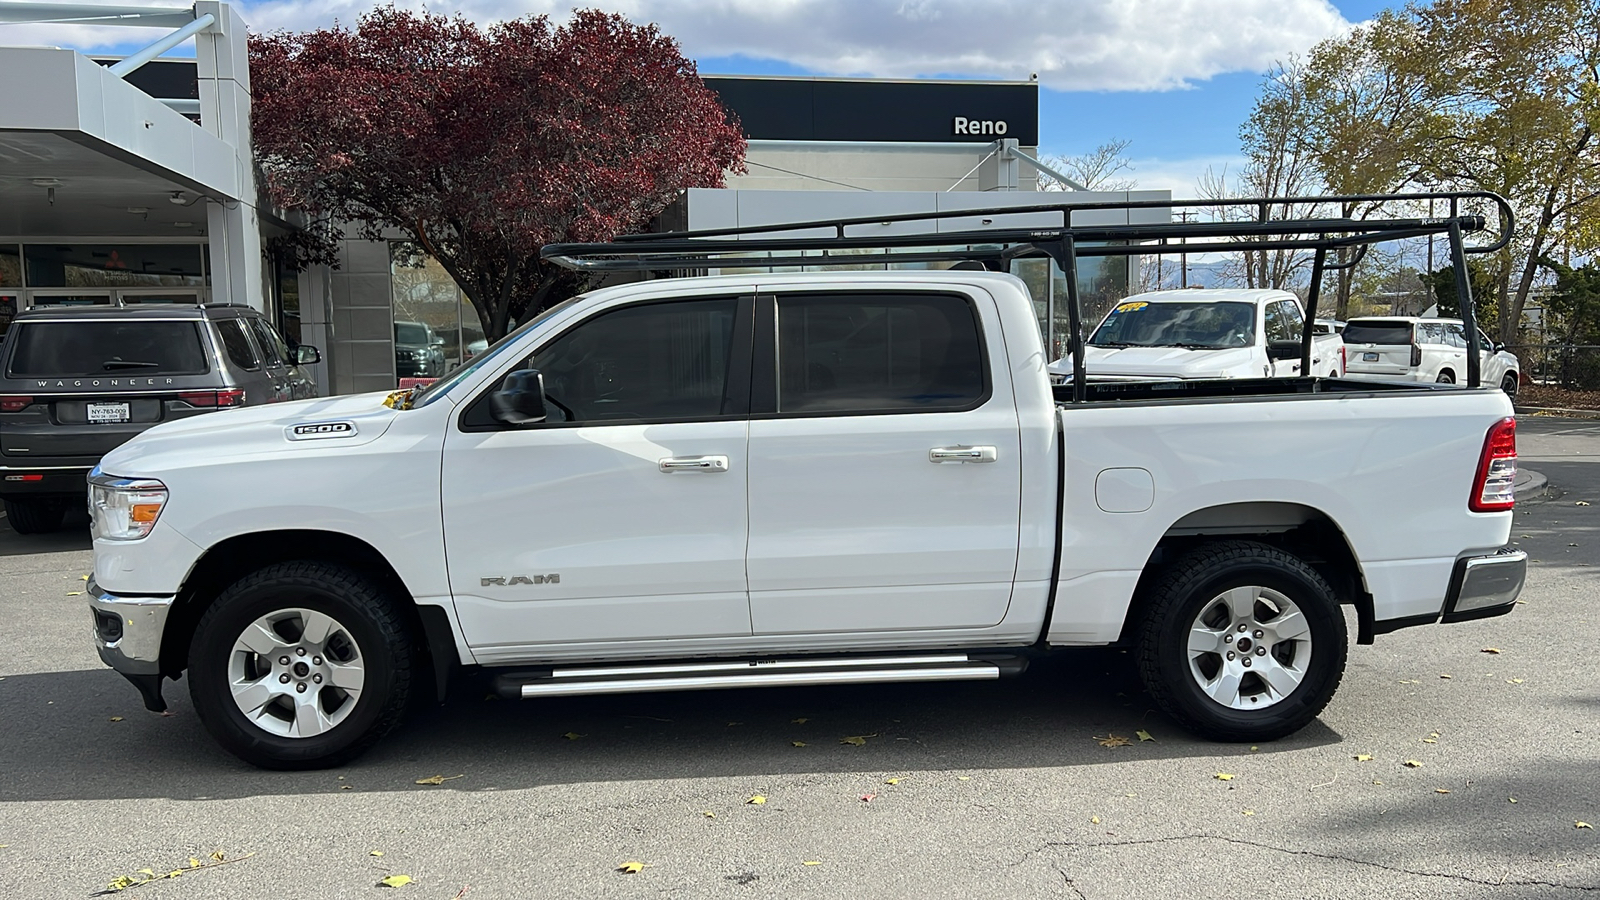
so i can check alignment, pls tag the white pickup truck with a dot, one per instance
(1204, 333)
(816, 478)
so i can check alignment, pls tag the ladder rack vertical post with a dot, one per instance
(1469, 311)
(1068, 259)
(1313, 294)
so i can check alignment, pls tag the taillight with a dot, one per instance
(14, 404)
(1344, 360)
(234, 397)
(1494, 490)
(1416, 355)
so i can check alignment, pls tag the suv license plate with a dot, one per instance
(108, 412)
(1369, 357)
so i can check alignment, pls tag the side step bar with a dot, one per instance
(691, 676)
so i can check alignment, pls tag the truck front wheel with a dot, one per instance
(1242, 642)
(300, 665)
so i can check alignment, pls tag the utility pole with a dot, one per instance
(1183, 216)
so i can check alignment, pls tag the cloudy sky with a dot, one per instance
(1176, 77)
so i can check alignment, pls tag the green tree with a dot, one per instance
(1482, 277)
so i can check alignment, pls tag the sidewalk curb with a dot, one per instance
(1529, 485)
(1558, 411)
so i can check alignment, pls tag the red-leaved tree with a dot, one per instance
(481, 145)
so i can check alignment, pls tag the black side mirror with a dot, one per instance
(307, 355)
(1499, 347)
(520, 400)
(1283, 350)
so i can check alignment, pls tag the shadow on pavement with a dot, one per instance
(62, 744)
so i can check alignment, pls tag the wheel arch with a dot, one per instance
(1305, 531)
(233, 558)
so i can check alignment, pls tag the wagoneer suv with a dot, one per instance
(78, 381)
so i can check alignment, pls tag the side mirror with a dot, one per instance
(1499, 347)
(520, 400)
(307, 355)
(1283, 350)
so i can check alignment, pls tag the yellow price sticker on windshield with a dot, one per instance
(1132, 305)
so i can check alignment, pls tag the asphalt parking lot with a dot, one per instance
(1000, 789)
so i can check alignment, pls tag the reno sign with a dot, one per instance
(993, 127)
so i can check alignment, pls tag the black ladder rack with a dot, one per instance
(1247, 224)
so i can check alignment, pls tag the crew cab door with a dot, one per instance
(885, 470)
(623, 515)
(1282, 320)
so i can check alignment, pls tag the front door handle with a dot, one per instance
(694, 464)
(962, 454)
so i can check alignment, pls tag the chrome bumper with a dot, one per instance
(1484, 586)
(127, 630)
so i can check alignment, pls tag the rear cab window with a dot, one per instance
(1377, 333)
(90, 348)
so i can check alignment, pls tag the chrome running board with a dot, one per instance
(692, 676)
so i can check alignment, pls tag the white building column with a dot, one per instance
(234, 229)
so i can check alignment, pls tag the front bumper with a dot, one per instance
(1484, 586)
(127, 634)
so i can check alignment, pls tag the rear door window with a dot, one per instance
(858, 353)
(95, 348)
(237, 344)
(1377, 333)
(271, 345)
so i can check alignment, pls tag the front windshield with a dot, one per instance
(1198, 325)
(430, 392)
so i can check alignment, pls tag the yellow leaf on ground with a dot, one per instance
(218, 856)
(708, 813)
(1511, 799)
(1249, 812)
(121, 883)
(891, 781)
(963, 777)
(1513, 681)
(1444, 676)
(811, 862)
(1490, 650)
(859, 740)
(1223, 776)
(1429, 741)
(438, 779)
(395, 881)
(1094, 820)
(1441, 790)
(798, 743)
(1143, 735)
(1112, 740)
(376, 853)
(1582, 825)
(757, 800)
(74, 593)
(116, 718)
(194, 863)
(631, 868)
(346, 787)
(572, 735)
(1363, 757)
(1412, 764)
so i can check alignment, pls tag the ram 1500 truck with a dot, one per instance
(796, 479)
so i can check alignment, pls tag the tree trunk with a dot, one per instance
(1511, 317)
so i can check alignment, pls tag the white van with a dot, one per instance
(1401, 348)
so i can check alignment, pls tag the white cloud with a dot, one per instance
(1180, 176)
(1082, 45)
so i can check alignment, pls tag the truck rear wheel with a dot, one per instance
(300, 665)
(1242, 642)
(35, 516)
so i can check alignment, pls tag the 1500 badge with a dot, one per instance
(310, 431)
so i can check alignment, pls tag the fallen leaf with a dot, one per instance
(116, 718)
(1582, 825)
(731, 724)
(811, 862)
(395, 881)
(757, 800)
(891, 781)
(1441, 790)
(798, 743)
(801, 721)
(1378, 782)
(1409, 681)
(346, 787)
(74, 593)
(1490, 650)
(1143, 735)
(963, 777)
(1513, 681)
(376, 853)
(1094, 820)
(1581, 503)
(1363, 757)
(572, 735)
(859, 740)
(1254, 749)
(868, 798)
(1249, 812)
(194, 863)
(1412, 764)
(218, 856)
(438, 779)
(1511, 799)
(1444, 676)
(708, 813)
(1112, 740)
(1223, 776)
(631, 868)
(1429, 741)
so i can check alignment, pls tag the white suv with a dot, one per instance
(1397, 348)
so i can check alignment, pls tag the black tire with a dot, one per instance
(367, 615)
(1509, 385)
(1446, 377)
(1190, 587)
(29, 516)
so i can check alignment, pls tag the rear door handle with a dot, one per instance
(962, 454)
(694, 464)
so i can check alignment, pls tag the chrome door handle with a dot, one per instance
(695, 464)
(962, 454)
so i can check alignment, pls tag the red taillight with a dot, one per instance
(234, 397)
(1494, 490)
(14, 404)
(1416, 355)
(1344, 360)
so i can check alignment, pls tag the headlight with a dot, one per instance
(124, 509)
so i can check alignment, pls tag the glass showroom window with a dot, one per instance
(435, 326)
(10, 284)
(114, 265)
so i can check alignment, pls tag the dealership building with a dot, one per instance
(131, 181)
